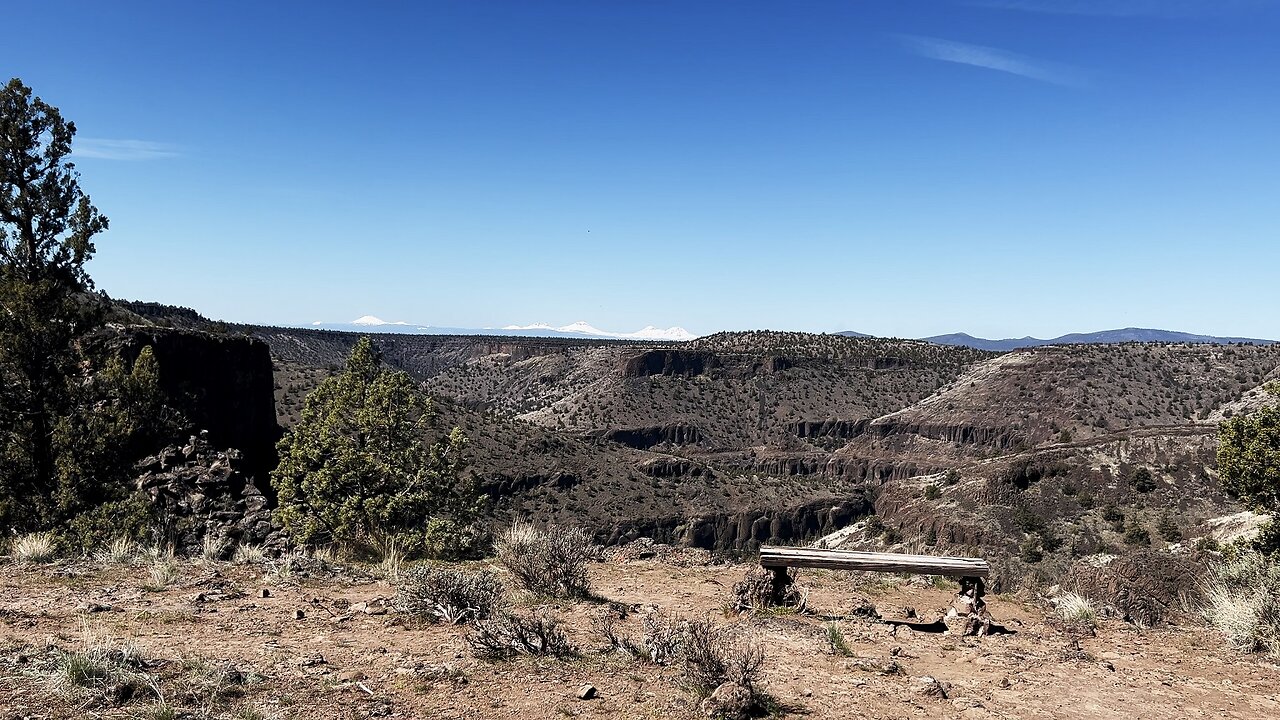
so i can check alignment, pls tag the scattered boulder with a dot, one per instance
(587, 692)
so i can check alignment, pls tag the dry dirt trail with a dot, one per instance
(335, 663)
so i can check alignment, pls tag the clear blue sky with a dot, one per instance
(899, 167)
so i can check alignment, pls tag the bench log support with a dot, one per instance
(781, 585)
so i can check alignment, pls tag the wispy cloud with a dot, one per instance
(993, 59)
(106, 149)
(1128, 8)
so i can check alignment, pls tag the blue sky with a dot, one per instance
(898, 167)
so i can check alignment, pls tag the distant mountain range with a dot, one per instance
(580, 329)
(1103, 336)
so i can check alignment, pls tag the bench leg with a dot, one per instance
(979, 588)
(781, 584)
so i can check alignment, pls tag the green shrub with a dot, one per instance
(1168, 528)
(1208, 543)
(1136, 534)
(1030, 551)
(1142, 480)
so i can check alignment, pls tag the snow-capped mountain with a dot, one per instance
(373, 320)
(580, 329)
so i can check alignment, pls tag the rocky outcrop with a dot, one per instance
(1146, 587)
(998, 437)
(222, 384)
(670, 467)
(643, 438)
(747, 529)
(197, 491)
(833, 428)
(502, 484)
(669, 362)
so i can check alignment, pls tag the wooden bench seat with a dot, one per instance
(779, 559)
(784, 557)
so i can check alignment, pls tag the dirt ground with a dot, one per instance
(339, 662)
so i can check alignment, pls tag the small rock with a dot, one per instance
(806, 692)
(351, 676)
(586, 692)
(264, 593)
(298, 615)
(92, 607)
(932, 687)
(358, 607)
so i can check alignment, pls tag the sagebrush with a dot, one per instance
(449, 595)
(550, 562)
(507, 635)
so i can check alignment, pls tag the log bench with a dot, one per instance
(779, 560)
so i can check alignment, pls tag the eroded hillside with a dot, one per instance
(741, 438)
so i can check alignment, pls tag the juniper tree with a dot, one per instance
(1249, 464)
(47, 226)
(359, 471)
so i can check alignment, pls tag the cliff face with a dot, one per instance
(746, 529)
(643, 438)
(223, 384)
(669, 362)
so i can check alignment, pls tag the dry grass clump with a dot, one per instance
(551, 562)
(35, 548)
(213, 548)
(246, 554)
(204, 684)
(392, 561)
(1075, 609)
(100, 670)
(1243, 602)
(507, 635)
(449, 595)
(120, 551)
